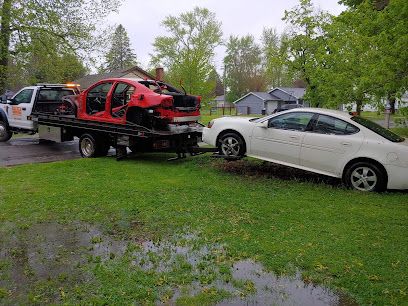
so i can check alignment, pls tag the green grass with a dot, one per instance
(400, 131)
(355, 242)
(377, 116)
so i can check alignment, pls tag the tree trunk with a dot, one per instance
(5, 33)
(391, 100)
(359, 104)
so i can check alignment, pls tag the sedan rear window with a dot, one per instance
(330, 125)
(378, 129)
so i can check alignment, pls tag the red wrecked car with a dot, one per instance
(148, 103)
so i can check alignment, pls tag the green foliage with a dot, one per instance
(304, 43)
(243, 65)
(63, 27)
(187, 51)
(358, 57)
(274, 52)
(43, 62)
(120, 55)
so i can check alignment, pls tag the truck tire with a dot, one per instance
(92, 146)
(5, 133)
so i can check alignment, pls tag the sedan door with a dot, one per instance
(281, 140)
(329, 144)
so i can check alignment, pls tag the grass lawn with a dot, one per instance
(400, 131)
(353, 242)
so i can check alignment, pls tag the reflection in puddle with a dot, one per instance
(51, 250)
(273, 290)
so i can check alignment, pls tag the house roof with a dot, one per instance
(264, 96)
(296, 92)
(88, 80)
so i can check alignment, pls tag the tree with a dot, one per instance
(274, 52)
(366, 58)
(43, 63)
(70, 25)
(187, 52)
(378, 4)
(304, 41)
(243, 65)
(120, 55)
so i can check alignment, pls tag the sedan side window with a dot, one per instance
(23, 96)
(334, 126)
(297, 121)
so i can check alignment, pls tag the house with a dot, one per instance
(134, 72)
(257, 102)
(219, 101)
(376, 106)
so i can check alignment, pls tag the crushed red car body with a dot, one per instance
(148, 103)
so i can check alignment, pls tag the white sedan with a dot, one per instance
(365, 155)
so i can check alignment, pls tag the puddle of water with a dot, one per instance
(51, 251)
(47, 251)
(264, 288)
(273, 290)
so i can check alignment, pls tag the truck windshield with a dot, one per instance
(378, 129)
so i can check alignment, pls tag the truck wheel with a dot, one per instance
(87, 146)
(92, 146)
(5, 133)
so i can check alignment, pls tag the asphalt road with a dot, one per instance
(26, 150)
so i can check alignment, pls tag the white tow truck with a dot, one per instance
(16, 113)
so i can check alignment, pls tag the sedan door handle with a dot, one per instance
(346, 143)
(24, 108)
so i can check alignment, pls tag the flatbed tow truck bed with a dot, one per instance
(61, 128)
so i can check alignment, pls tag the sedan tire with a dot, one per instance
(365, 176)
(231, 144)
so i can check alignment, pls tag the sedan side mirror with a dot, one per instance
(263, 124)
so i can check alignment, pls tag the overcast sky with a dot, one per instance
(142, 18)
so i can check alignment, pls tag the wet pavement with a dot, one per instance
(27, 150)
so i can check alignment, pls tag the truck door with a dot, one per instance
(20, 108)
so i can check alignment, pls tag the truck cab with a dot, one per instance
(15, 114)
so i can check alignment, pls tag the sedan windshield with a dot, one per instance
(378, 129)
